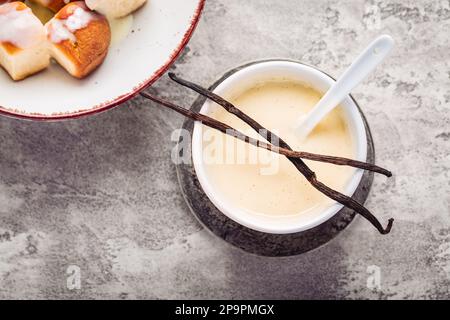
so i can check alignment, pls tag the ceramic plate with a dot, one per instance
(160, 31)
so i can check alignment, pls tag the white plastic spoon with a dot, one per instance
(356, 73)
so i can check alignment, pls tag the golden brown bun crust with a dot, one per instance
(10, 48)
(91, 47)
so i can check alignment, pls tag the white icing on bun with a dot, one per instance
(60, 30)
(20, 27)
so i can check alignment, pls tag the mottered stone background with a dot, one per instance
(101, 192)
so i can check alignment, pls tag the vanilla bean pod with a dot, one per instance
(224, 128)
(297, 162)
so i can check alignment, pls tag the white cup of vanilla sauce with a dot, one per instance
(256, 75)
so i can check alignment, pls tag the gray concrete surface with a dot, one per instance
(101, 192)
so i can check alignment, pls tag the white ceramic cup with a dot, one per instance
(245, 79)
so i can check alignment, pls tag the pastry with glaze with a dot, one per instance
(79, 39)
(23, 44)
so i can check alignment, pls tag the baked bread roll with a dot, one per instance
(78, 38)
(23, 44)
(115, 8)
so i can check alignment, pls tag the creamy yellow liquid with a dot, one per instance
(120, 28)
(283, 191)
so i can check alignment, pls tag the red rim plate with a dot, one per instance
(123, 98)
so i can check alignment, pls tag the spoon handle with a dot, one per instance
(374, 54)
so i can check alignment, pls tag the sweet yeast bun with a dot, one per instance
(23, 44)
(115, 8)
(78, 38)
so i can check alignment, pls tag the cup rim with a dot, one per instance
(237, 214)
